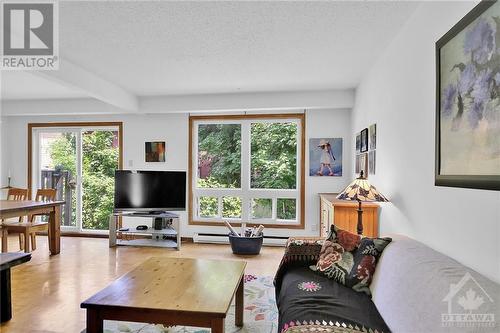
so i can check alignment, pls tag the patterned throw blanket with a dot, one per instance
(325, 328)
(298, 289)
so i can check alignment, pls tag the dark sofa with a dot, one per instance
(410, 290)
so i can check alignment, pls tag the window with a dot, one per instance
(247, 168)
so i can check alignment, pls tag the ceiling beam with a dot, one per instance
(74, 76)
(204, 103)
(249, 101)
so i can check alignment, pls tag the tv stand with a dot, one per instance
(156, 212)
(168, 237)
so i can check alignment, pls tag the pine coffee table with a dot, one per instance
(171, 291)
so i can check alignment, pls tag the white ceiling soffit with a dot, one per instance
(285, 101)
(26, 85)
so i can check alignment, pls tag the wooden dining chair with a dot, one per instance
(27, 230)
(4, 238)
(12, 194)
(17, 194)
(47, 194)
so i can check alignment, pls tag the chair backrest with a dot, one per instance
(46, 194)
(17, 194)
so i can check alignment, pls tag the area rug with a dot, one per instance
(260, 315)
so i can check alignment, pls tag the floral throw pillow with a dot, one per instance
(349, 259)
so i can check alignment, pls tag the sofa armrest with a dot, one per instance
(299, 251)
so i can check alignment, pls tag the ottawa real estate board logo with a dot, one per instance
(469, 306)
(30, 38)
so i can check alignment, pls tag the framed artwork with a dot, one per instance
(364, 140)
(358, 143)
(372, 130)
(357, 169)
(467, 101)
(371, 162)
(325, 157)
(363, 164)
(155, 151)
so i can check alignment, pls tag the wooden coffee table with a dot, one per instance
(171, 291)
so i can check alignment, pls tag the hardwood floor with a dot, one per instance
(48, 290)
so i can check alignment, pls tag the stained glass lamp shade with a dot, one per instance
(361, 190)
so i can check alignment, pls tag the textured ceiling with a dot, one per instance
(160, 47)
(24, 85)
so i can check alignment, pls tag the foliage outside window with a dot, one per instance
(274, 155)
(99, 162)
(246, 169)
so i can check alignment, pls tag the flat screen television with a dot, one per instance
(152, 191)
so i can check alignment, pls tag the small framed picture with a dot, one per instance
(357, 169)
(364, 140)
(371, 162)
(155, 151)
(363, 164)
(373, 136)
(358, 143)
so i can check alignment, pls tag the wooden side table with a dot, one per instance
(344, 215)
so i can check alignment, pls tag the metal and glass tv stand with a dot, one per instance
(168, 236)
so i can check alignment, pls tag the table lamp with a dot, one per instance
(362, 191)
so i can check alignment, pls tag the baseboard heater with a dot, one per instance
(223, 239)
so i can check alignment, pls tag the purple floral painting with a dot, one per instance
(469, 101)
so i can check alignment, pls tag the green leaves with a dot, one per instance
(273, 165)
(273, 155)
(99, 162)
(219, 147)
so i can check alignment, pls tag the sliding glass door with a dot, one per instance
(80, 163)
(56, 167)
(100, 153)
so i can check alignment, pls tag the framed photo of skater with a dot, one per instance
(325, 157)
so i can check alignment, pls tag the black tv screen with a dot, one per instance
(150, 190)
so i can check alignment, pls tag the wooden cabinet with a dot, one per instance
(344, 215)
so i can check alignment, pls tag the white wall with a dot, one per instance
(399, 95)
(173, 128)
(326, 124)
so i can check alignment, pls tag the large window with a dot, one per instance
(247, 168)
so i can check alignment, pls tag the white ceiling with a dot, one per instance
(164, 48)
(24, 85)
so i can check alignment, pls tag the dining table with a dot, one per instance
(19, 208)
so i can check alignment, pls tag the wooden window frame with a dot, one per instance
(32, 126)
(299, 116)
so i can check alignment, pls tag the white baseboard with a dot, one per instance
(224, 239)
